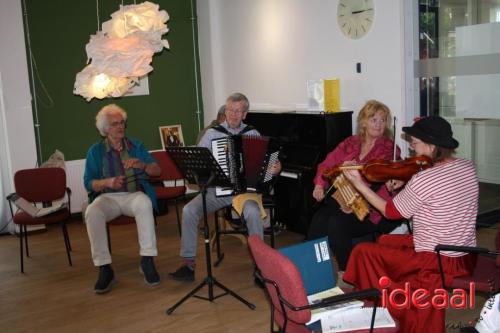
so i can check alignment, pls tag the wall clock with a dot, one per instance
(355, 17)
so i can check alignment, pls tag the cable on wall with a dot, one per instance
(97, 14)
(195, 52)
(32, 78)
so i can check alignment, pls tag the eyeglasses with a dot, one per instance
(234, 111)
(118, 123)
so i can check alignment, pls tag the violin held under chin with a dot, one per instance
(380, 171)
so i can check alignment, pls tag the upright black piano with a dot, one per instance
(306, 138)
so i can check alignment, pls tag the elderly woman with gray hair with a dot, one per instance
(115, 172)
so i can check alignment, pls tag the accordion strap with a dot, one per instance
(222, 129)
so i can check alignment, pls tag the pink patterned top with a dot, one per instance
(349, 150)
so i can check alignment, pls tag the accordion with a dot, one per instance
(245, 160)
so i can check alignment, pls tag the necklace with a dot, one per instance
(118, 147)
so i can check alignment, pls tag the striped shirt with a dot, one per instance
(443, 202)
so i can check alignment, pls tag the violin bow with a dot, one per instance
(328, 193)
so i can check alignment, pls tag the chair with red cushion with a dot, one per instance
(169, 172)
(290, 309)
(486, 273)
(41, 185)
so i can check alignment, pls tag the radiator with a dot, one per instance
(74, 180)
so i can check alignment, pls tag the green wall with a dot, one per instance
(59, 31)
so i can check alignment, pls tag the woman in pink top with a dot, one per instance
(442, 201)
(372, 141)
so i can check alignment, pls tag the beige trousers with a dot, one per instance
(111, 205)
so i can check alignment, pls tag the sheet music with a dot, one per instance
(320, 314)
(356, 319)
(33, 211)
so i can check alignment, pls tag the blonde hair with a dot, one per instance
(369, 110)
(102, 121)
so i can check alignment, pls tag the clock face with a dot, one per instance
(355, 17)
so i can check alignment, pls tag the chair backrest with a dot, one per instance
(40, 184)
(169, 170)
(278, 268)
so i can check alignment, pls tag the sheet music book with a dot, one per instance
(323, 313)
(313, 260)
(356, 319)
(33, 211)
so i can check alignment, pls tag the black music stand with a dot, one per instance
(198, 166)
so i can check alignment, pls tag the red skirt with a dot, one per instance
(394, 256)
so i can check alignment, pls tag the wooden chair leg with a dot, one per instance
(66, 242)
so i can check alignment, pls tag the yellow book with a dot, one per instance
(331, 90)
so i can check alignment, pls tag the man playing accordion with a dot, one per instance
(237, 106)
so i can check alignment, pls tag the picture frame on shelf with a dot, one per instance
(171, 136)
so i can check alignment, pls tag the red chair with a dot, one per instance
(169, 172)
(290, 309)
(486, 273)
(41, 185)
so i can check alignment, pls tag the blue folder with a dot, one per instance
(314, 262)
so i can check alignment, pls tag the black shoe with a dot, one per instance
(147, 268)
(105, 280)
(184, 273)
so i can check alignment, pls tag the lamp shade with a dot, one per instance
(122, 52)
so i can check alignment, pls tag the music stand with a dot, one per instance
(198, 166)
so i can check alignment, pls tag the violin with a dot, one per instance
(380, 171)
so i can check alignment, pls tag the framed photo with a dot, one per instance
(171, 136)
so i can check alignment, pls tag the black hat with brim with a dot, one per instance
(434, 130)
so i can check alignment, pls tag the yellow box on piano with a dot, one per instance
(331, 91)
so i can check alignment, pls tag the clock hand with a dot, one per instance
(360, 11)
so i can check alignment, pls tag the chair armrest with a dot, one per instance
(325, 302)
(467, 249)
(365, 293)
(9, 197)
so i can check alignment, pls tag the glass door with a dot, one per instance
(459, 75)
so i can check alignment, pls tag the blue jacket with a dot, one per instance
(93, 166)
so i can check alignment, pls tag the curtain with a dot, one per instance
(6, 225)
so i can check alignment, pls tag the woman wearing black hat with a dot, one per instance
(442, 201)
